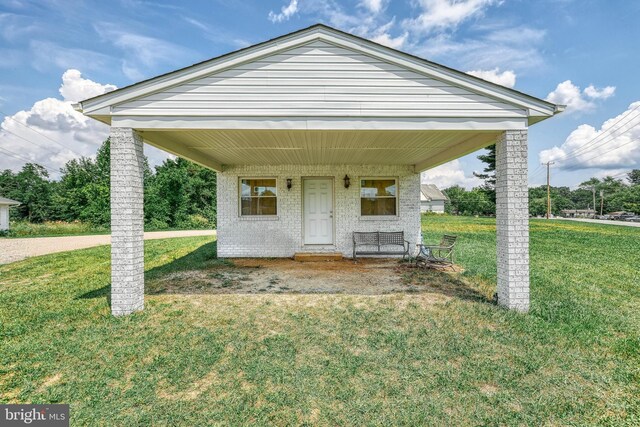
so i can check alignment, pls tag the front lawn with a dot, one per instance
(433, 357)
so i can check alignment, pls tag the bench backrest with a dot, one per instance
(391, 238)
(448, 240)
(378, 238)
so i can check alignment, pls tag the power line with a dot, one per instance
(39, 133)
(29, 141)
(608, 139)
(18, 156)
(594, 139)
(549, 187)
(619, 146)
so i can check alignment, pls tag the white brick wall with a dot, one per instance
(512, 216)
(127, 222)
(283, 236)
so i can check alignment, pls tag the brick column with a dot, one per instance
(127, 222)
(512, 218)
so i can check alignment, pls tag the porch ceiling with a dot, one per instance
(216, 148)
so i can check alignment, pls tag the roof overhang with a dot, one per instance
(204, 139)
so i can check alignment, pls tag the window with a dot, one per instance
(258, 196)
(378, 196)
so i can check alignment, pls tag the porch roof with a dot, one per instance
(315, 96)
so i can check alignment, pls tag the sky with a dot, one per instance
(581, 53)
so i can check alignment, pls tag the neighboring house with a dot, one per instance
(432, 199)
(5, 204)
(314, 135)
(578, 213)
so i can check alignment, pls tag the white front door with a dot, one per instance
(318, 211)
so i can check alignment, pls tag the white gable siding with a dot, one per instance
(317, 80)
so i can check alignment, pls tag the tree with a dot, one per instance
(83, 191)
(634, 177)
(474, 202)
(181, 194)
(489, 175)
(31, 187)
(455, 195)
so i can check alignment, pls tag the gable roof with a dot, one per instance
(432, 193)
(5, 201)
(537, 109)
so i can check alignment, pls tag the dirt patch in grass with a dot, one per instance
(49, 382)
(286, 276)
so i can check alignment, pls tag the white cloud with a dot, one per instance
(615, 145)
(450, 174)
(576, 100)
(374, 6)
(46, 54)
(506, 48)
(74, 88)
(439, 15)
(53, 119)
(604, 93)
(142, 54)
(392, 42)
(285, 13)
(506, 78)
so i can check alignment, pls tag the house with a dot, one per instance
(578, 213)
(5, 204)
(432, 199)
(314, 135)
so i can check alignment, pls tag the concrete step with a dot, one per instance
(317, 256)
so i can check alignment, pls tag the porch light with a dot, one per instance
(289, 184)
(347, 181)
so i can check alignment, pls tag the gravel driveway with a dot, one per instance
(12, 250)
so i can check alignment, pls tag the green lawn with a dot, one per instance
(286, 359)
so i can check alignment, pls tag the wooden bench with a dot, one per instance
(377, 240)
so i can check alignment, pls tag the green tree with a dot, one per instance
(455, 195)
(634, 177)
(83, 192)
(489, 172)
(32, 188)
(181, 194)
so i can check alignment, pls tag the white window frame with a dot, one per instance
(379, 178)
(240, 179)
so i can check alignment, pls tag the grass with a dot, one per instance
(336, 359)
(52, 228)
(75, 228)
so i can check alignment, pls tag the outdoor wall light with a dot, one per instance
(289, 184)
(347, 181)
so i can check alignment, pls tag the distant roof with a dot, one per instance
(5, 201)
(432, 193)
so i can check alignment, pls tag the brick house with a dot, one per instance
(314, 135)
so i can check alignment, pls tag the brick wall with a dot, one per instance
(283, 236)
(127, 222)
(512, 217)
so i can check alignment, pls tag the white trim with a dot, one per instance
(265, 217)
(397, 197)
(320, 123)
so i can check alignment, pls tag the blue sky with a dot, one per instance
(582, 53)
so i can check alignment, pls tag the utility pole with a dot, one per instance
(548, 164)
(601, 201)
(593, 189)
